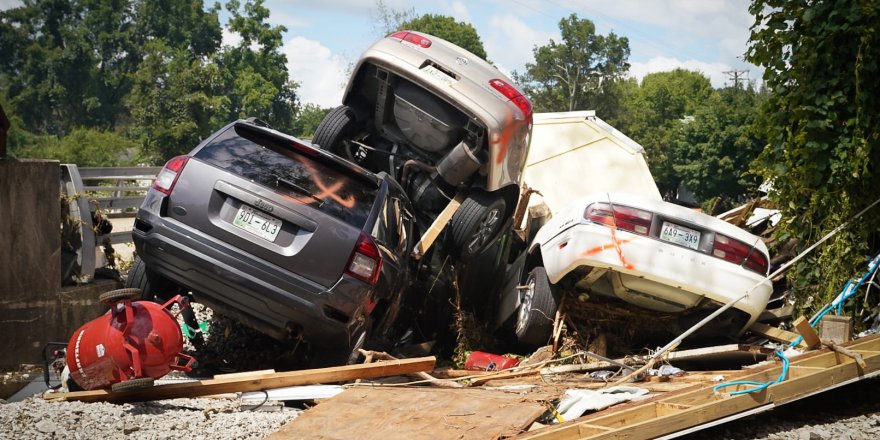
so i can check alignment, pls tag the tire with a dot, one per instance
(476, 224)
(537, 310)
(150, 284)
(108, 298)
(333, 131)
(132, 385)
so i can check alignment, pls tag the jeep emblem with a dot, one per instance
(263, 205)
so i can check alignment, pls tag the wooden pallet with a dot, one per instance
(680, 413)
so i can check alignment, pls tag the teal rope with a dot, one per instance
(848, 291)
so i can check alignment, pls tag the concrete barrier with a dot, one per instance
(33, 308)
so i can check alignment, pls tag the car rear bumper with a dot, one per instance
(262, 295)
(669, 272)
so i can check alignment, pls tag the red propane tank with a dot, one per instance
(134, 339)
(481, 361)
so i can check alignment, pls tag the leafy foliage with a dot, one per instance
(578, 73)
(456, 32)
(153, 70)
(307, 120)
(821, 61)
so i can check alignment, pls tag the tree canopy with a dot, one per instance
(578, 72)
(822, 124)
(459, 33)
(152, 71)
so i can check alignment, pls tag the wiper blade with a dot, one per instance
(299, 188)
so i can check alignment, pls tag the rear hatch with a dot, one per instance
(276, 200)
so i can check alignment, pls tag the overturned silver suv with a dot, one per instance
(443, 122)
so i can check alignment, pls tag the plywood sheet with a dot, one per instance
(415, 413)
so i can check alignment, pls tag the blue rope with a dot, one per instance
(848, 291)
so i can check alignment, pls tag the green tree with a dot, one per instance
(652, 113)
(307, 120)
(821, 62)
(713, 148)
(456, 32)
(254, 72)
(176, 101)
(577, 73)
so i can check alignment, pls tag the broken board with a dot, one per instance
(415, 413)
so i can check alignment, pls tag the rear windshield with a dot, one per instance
(275, 163)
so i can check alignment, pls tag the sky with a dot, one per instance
(324, 37)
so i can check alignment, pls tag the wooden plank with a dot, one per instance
(254, 383)
(437, 226)
(774, 333)
(248, 374)
(720, 352)
(413, 414)
(811, 339)
(646, 420)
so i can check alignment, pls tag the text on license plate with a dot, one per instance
(681, 235)
(257, 223)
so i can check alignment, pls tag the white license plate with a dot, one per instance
(439, 74)
(680, 235)
(257, 223)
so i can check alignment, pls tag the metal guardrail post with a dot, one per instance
(72, 187)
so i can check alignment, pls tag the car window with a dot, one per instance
(387, 229)
(275, 163)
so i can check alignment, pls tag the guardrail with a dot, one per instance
(115, 191)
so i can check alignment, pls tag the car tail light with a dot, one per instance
(740, 253)
(365, 260)
(413, 38)
(623, 217)
(167, 177)
(513, 94)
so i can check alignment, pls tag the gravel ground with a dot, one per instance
(215, 419)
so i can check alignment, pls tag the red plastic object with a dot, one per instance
(481, 361)
(132, 340)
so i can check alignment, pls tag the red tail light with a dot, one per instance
(739, 253)
(410, 37)
(167, 177)
(624, 217)
(365, 260)
(513, 94)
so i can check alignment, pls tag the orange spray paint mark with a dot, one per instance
(615, 244)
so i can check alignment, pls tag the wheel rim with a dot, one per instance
(525, 308)
(484, 231)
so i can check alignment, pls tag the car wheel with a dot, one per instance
(334, 131)
(132, 384)
(537, 310)
(476, 224)
(150, 284)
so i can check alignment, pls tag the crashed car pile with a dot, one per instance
(335, 244)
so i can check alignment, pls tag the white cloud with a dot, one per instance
(509, 41)
(229, 38)
(320, 73)
(460, 12)
(9, 4)
(714, 71)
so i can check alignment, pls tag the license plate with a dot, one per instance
(680, 235)
(439, 74)
(257, 223)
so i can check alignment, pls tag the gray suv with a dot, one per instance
(286, 238)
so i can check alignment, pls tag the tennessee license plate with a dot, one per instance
(257, 223)
(680, 235)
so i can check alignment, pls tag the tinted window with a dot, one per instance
(275, 163)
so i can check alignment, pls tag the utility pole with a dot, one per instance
(737, 76)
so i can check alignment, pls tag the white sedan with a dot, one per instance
(653, 254)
